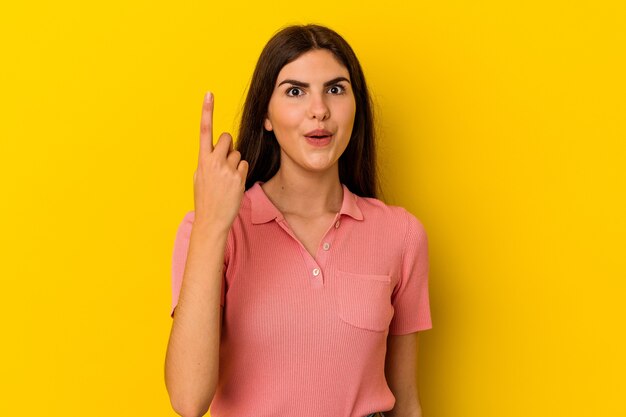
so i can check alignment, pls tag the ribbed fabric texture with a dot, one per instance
(306, 336)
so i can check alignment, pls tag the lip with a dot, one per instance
(319, 132)
(319, 143)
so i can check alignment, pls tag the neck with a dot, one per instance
(305, 194)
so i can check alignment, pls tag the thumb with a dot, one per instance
(242, 168)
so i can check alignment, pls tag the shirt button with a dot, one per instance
(316, 272)
(326, 246)
(337, 224)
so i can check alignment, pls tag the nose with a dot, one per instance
(318, 108)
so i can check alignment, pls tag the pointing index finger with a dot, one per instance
(206, 124)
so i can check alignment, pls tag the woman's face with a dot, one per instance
(312, 92)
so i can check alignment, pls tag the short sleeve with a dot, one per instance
(410, 298)
(179, 259)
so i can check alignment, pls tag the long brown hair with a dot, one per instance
(259, 147)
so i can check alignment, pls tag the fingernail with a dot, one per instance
(208, 96)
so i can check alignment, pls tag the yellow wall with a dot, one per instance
(502, 130)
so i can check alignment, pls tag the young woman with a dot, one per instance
(296, 291)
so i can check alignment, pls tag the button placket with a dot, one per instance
(313, 269)
(315, 265)
(326, 246)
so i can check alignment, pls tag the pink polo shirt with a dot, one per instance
(306, 336)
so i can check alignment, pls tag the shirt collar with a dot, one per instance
(263, 210)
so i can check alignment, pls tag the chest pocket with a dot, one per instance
(364, 300)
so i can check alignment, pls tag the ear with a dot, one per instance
(267, 124)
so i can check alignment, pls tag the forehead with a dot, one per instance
(314, 65)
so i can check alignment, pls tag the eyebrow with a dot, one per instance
(302, 84)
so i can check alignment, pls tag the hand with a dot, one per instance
(220, 179)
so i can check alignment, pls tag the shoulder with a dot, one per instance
(189, 218)
(185, 225)
(391, 215)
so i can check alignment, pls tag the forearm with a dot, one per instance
(407, 409)
(399, 412)
(192, 359)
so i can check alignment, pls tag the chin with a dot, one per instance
(320, 167)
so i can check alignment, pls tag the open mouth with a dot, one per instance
(320, 141)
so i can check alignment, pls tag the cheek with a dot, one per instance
(347, 112)
(287, 117)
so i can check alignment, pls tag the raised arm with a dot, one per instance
(192, 358)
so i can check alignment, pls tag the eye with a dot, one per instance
(341, 87)
(291, 89)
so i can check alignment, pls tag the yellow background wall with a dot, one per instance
(502, 130)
